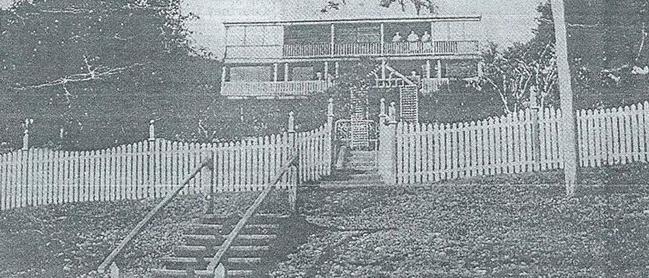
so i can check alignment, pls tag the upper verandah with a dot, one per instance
(248, 41)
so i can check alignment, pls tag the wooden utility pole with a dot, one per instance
(568, 134)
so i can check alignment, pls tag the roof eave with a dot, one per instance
(359, 20)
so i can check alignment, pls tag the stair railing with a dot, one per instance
(110, 259)
(215, 265)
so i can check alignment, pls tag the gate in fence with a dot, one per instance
(357, 134)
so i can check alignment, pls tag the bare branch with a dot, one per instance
(92, 74)
(642, 42)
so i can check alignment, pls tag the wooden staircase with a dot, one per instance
(393, 79)
(250, 255)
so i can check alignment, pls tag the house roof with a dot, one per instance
(358, 20)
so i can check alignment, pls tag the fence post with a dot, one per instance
(25, 140)
(212, 193)
(151, 130)
(387, 163)
(382, 115)
(293, 145)
(330, 135)
(26, 126)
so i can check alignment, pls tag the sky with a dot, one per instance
(503, 21)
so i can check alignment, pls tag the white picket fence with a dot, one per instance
(153, 168)
(519, 142)
(613, 136)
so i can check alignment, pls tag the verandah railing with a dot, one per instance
(375, 48)
(273, 88)
(519, 142)
(307, 50)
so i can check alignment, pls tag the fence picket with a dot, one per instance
(642, 135)
(489, 156)
(599, 130)
(645, 130)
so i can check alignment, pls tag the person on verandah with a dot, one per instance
(425, 40)
(425, 37)
(412, 39)
(397, 37)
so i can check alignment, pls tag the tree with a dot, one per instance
(96, 72)
(419, 5)
(520, 77)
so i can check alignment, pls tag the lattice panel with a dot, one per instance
(359, 128)
(409, 107)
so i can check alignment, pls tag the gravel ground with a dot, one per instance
(510, 228)
(471, 231)
(71, 240)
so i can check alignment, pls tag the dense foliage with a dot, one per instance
(93, 73)
(607, 54)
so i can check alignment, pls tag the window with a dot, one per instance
(236, 35)
(254, 35)
(251, 73)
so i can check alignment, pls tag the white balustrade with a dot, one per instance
(272, 89)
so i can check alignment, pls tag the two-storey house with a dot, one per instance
(291, 59)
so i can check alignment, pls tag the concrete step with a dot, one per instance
(248, 251)
(263, 218)
(203, 240)
(254, 239)
(206, 229)
(168, 273)
(363, 153)
(194, 251)
(219, 219)
(353, 182)
(241, 263)
(360, 161)
(244, 273)
(334, 185)
(260, 229)
(172, 262)
(365, 177)
(365, 168)
(354, 164)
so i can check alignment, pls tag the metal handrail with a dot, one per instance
(216, 260)
(138, 228)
